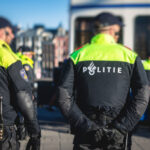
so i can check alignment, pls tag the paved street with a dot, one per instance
(141, 139)
(55, 134)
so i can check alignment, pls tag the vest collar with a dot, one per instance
(3, 43)
(27, 60)
(102, 38)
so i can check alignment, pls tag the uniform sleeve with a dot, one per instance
(30, 73)
(22, 90)
(67, 103)
(137, 106)
(18, 77)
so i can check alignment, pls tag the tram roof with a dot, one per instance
(92, 2)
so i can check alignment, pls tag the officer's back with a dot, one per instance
(103, 73)
(94, 87)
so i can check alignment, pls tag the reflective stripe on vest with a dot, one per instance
(146, 64)
(7, 56)
(103, 48)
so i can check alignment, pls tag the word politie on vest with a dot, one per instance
(92, 69)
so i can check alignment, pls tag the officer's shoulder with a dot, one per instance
(79, 50)
(146, 61)
(146, 64)
(6, 58)
(81, 47)
(4, 52)
(128, 50)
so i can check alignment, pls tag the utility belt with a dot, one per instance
(6, 131)
(6, 126)
(9, 128)
(1, 120)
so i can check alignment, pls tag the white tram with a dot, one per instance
(135, 14)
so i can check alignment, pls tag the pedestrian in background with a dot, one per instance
(16, 92)
(94, 87)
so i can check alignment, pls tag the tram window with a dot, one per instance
(84, 31)
(142, 36)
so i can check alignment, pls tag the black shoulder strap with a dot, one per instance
(1, 119)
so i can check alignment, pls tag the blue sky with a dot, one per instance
(29, 12)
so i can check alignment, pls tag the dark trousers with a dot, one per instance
(84, 142)
(129, 141)
(9, 141)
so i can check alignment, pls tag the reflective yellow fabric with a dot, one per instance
(19, 54)
(25, 60)
(146, 64)
(7, 56)
(103, 48)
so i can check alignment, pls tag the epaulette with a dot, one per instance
(128, 48)
(80, 47)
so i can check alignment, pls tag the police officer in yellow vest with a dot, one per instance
(16, 92)
(146, 64)
(25, 54)
(94, 87)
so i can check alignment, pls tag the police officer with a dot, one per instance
(94, 87)
(25, 54)
(16, 92)
(146, 64)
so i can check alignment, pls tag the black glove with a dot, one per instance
(113, 135)
(95, 136)
(33, 128)
(34, 132)
(98, 135)
(33, 143)
(21, 132)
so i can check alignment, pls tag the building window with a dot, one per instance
(142, 36)
(45, 38)
(36, 39)
(26, 39)
(84, 31)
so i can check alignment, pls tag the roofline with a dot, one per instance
(130, 5)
